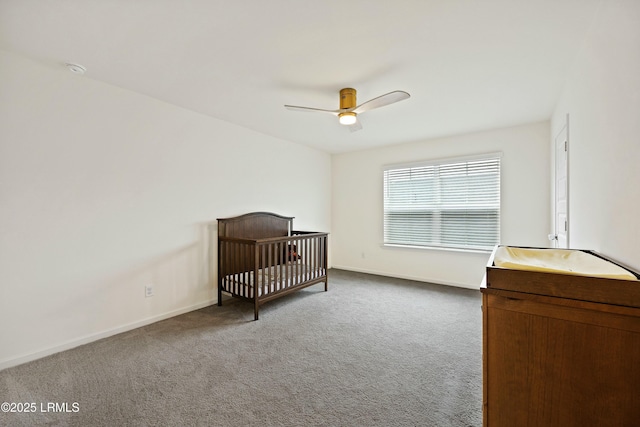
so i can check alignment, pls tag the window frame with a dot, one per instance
(446, 246)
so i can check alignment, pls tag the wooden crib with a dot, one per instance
(261, 258)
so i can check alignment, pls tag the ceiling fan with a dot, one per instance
(348, 111)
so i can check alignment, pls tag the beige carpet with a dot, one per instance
(372, 351)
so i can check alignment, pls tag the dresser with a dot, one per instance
(560, 349)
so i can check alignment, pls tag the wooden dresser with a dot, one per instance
(559, 349)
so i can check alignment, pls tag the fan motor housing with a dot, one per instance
(347, 98)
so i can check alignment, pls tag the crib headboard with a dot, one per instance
(255, 225)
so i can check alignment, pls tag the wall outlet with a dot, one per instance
(148, 291)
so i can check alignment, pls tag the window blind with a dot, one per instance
(453, 204)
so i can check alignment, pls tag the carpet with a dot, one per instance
(372, 351)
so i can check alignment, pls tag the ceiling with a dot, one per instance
(469, 65)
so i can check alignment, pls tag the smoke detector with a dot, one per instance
(76, 68)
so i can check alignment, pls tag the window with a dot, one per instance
(448, 204)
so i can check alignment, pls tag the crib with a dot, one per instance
(261, 257)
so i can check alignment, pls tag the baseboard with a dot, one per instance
(8, 363)
(404, 276)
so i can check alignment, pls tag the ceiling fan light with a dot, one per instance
(347, 118)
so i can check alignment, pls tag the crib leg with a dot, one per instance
(219, 295)
(255, 311)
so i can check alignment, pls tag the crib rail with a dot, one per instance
(300, 259)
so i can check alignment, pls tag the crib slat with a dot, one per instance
(319, 266)
(271, 263)
(307, 258)
(320, 257)
(243, 275)
(264, 273)
(239, 274)
(239, 249)
(316, 263)
(230, 263)
(238, 265)
(248, 270)
(314, 257)
(314, 267)
(236, 274)
(281, 254)
(296, 275)
(311, 258)
(256, 265)
(265, 268)
(303, 259)
(280, 274)
(287, 263)
(232, 269)
(314, 244)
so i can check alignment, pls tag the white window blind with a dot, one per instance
(452, 204)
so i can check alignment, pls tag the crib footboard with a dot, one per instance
(264, 269)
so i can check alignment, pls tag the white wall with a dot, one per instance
(103, 191)
(357, 218)
(602, 98)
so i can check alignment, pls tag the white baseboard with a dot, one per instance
(404, 276)
(15, 361)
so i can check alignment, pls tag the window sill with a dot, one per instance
(435, 248)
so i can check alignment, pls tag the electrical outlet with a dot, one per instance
(148, 291)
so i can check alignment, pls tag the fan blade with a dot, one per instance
(381, 101)
(309, 109)
(355, 127)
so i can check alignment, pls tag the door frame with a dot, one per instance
(561, 137)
